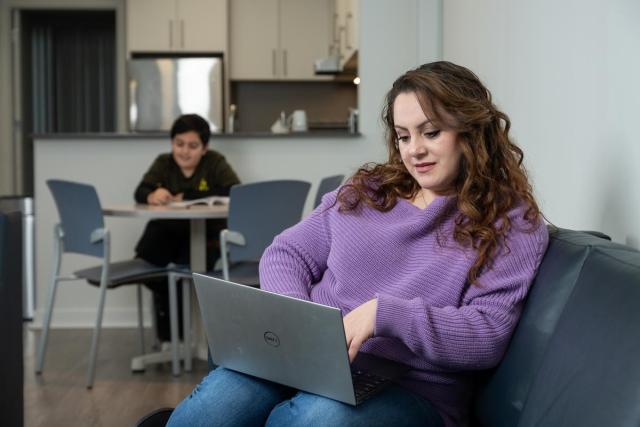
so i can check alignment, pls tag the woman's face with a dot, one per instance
(431, 155)
(187, 150)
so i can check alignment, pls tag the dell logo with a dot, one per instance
(271, 339)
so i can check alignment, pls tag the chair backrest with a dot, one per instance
(326, 185)
(262, 210)
(80, 214)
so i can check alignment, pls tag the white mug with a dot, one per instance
(298, 121)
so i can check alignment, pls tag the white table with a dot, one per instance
(197, 214)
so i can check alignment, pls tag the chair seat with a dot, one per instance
(123, 272)
(245, 273)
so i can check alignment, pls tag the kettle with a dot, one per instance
(297, 121)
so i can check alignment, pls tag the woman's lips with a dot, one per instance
(424, 167)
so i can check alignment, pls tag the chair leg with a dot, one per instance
(186, 323)
(91, 371)
(140, 320)
(57, 255)
(154, 325)
(173, 319)
(42, 346)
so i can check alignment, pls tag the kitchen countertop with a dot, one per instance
(214, 136)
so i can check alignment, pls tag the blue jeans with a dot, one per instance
(230, 399)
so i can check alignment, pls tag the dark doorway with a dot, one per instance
(68, 76)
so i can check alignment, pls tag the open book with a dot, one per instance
(210, 201)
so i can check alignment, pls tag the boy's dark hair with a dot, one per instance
(192, 122)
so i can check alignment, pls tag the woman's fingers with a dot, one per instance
(354, 347)
(359, 325)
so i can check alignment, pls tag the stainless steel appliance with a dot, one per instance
(162, 88)
(24, 205)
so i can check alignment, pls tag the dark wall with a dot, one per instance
(259, 103)
(11, 368)
(68, 75)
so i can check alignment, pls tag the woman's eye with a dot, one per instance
(433, 134)
(403, 138)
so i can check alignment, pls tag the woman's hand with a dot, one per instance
(359, 325)
(161, 196)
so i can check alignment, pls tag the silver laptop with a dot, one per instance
(297, 343)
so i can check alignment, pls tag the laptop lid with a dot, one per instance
(297, 343)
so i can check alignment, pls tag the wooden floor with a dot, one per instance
(119, 397)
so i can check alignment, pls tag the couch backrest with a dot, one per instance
(572, 359)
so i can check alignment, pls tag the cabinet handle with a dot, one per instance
(182, 33)
(273, 62)
(170, 33)
(348, 34)
(284, 61)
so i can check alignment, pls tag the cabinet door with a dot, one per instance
(202, 25)
(253, 52)
(347, 21)
(151, 25)
(305, 35)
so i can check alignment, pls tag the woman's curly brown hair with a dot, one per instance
(492, 178)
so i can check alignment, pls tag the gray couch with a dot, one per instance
(573, 358)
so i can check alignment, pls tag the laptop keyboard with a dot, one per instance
(366, 384)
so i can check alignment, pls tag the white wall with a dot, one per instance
(566, 72)
(395, 36)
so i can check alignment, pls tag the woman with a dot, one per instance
(190, 171)
(429, 256)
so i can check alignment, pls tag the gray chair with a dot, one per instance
(81, 230)
(257, 213)
(326, 185)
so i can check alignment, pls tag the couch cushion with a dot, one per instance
(503, 393)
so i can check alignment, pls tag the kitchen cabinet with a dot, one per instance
(346, 28)
(278, 39)
(177, 25)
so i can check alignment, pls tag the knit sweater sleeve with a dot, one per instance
(297, 258)
(475, 334)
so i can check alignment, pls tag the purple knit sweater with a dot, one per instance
(428, 317)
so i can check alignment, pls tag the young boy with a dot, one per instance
(190, 171)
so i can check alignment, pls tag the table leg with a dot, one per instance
(198, 239)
